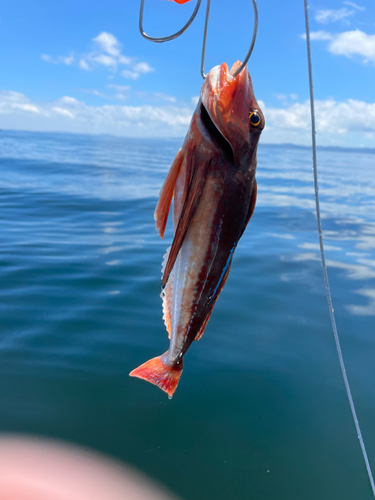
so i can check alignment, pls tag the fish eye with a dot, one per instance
(255, 119)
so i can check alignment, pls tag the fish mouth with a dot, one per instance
(215, 135)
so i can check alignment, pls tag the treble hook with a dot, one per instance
(191, 19)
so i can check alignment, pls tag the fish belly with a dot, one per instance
(193, 265)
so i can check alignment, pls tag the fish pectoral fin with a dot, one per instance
(166, 195)
(203, 327)
(193, 194)
(252, 205)
(217, 293)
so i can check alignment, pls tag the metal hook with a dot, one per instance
(191, 19)
(255, 31)
(170, 37)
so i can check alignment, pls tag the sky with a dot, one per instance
(83, 67)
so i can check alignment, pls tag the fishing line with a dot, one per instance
(325, 274)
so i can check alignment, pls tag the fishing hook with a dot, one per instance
(170, 37)
(253, 39)
(186, 26)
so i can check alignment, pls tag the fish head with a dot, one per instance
(233, 109)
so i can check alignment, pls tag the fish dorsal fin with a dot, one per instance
(166, 195)
(193, 194)
(167, 295)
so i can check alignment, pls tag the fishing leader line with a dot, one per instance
(325, 273)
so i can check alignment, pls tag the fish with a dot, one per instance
(214, 189)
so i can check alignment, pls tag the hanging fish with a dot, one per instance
(212, 180)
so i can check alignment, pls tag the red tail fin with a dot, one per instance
(157, 372)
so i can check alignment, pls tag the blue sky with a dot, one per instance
(83, 66)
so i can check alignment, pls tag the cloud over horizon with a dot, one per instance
(346, 123)
(68, 114)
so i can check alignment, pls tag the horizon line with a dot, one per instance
(163, 138)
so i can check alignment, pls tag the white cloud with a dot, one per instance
(130, 74)
(119, 88)
(108, 43)
(125, 60)
(63, 112)
(352, 4)
(349, 44)
(337, 123)
(104, 59)
(68, 60)
(47, 58)
(346, 123)
(70, 101)
(341, 117)
(30, 108)
(155, 96)
(327, 15)
(71, 115)
(143, 68)
(319, 35)
(14, 102)
(83, 65)
(281, 97)
(137, 70)
(285, 99)
(97, 93)
(352, 43)
(107, 52)
(121, 93)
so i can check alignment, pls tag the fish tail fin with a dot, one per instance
(158, 373)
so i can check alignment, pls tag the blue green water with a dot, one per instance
(260, 412)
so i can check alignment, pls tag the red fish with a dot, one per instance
(212, 180)
(181, 1)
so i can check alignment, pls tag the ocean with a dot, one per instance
(261, 410)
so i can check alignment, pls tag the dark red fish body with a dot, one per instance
(213, 184)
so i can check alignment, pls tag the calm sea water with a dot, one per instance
(261, 411)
